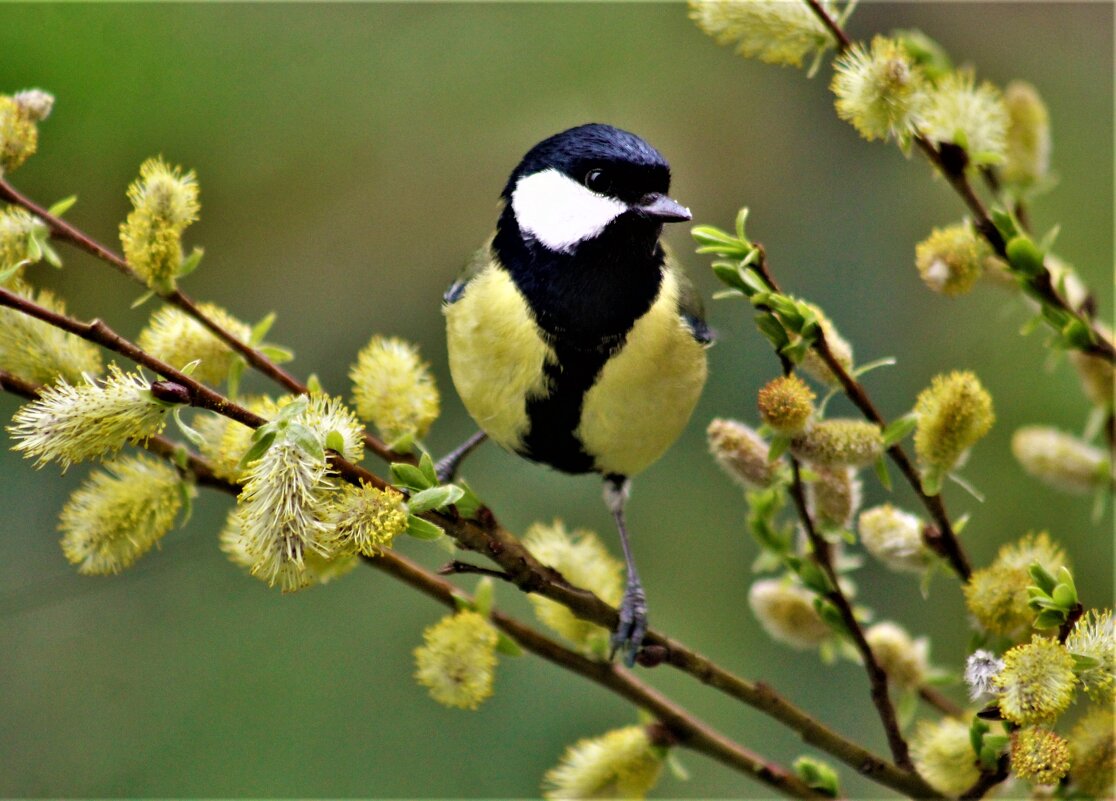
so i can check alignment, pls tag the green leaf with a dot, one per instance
(818, 775)
(961, 522)
(8, 272)
(813, 577)
(1024, 256)
(60, 207)
(1005, 223)
(142, 299)
(468, 504)
(261, 441)
(1082, 662)
(507, 646)
(1065, 577)
(434, 498)
(483, 596)
(276, 354)
(675, 766)
(977, 729)
(729, 274)
(1064, 597)
(335, 441)
(463, 604)
(408, 476)
(195, 438)
(186, 494)
(426, 465)
(236, 372)
(1042, 577)
(260, 329)
(1047, 241)
(741, 222)
(932, 482)
(779, 445)
(881, 472)
(190, 263)
(1050, 619)
(51, 256)
(190, 367)
(306, 440)
(771, 328)
(898, 429)
(314, 384)
(906, 709)
(423, 529)
(34, 249)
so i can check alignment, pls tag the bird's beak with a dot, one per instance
(658, 206)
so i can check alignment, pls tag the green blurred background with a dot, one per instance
(350, 157)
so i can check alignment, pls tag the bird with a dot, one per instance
(574, 339)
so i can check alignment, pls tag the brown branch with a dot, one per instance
(942, 540)
(685, 729)
(953, 170)
(877, 677)
(525, 571)
(940, 702)
(843, 41)
(65, 232)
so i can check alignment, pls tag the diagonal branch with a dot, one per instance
(953, 170)
(877, 678)
(685, 729)
(65, 232)
(523, 570)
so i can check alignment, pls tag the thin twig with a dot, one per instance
(937, 700)
(685, 729)
(843, 40)
(527, 573)
(877, 677)
(459, 568)
(953, 170)
(65, 232)
(944, 540)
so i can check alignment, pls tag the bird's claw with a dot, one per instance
(629, 633)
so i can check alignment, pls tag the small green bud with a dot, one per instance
(786, 404)
(852, 443)
(951, 259)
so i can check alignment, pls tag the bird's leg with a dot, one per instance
(633, 606)
(447, 466)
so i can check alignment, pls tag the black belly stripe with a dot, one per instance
(554, 419)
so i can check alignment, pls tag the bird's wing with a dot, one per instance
(690, 307)
(471, 270)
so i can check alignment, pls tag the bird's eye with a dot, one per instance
(597, 180)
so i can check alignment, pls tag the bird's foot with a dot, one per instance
(628, 636)
(447, 467)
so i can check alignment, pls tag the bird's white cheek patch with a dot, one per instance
(559, 212)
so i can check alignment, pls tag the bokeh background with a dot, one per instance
(350, 157)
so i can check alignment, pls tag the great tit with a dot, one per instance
(574, 340)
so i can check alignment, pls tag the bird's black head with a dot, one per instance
(573, 186)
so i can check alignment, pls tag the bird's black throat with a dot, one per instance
(585, 303)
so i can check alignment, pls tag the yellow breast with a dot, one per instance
(496, 355)
(645, 394)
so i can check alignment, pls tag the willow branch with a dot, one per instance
(523, 570)
(72, 235)
(877, 678)
(941, 538)
(685, 729)
(953, 170)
